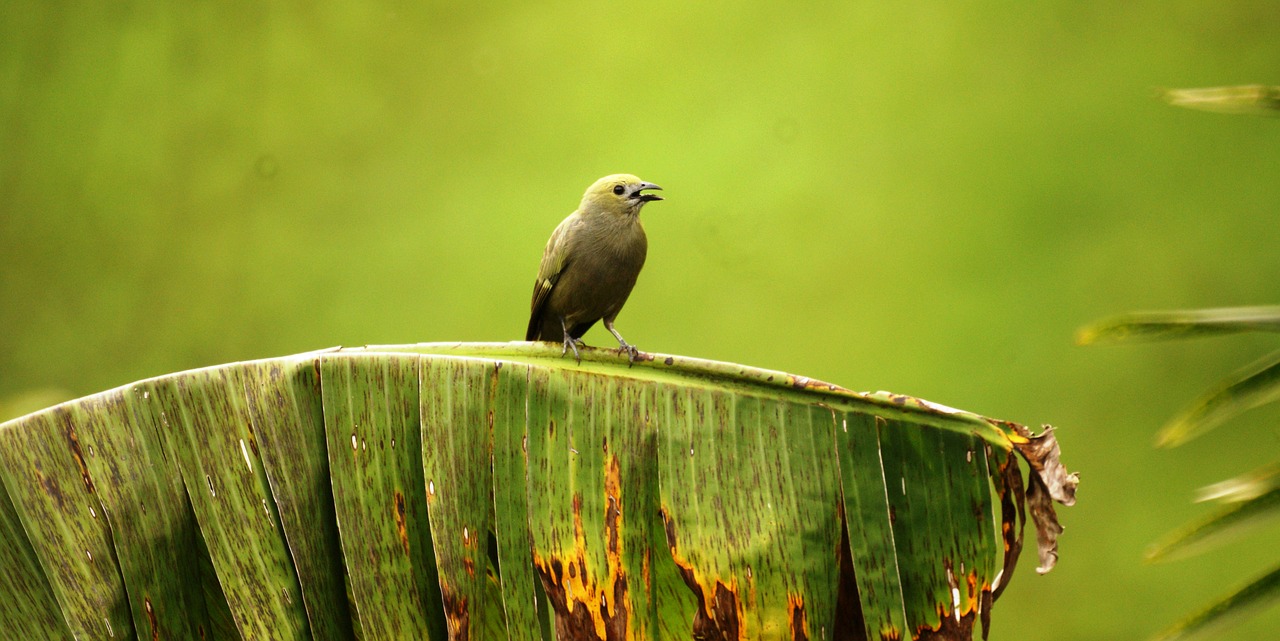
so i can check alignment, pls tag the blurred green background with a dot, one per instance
(926, 198)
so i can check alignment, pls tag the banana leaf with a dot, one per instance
(499, 491)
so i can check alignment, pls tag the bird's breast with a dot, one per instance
(601, 272)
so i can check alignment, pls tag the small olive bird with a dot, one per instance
(591, 263)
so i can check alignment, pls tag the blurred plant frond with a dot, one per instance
(1226, 525)
(1253, 499)
(1237, 605)
(1179, 324)
(1249, 100)
(1252, 386)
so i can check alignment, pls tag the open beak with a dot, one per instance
(644, 198)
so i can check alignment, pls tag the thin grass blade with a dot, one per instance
(1253, 386)
(1227, 524)
(1179, 324)
(1242, 488)
(1249, 100)
(1232, 608)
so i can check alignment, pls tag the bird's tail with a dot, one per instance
(535, 333)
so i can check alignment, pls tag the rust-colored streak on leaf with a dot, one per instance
(151, 618)
(613, 511)
(949, 629)
(73, 441)
(645, 572)
(1012, 517)
(890, 635)
(573, 621)
(456, 613)
(586, 615)
(586, 609)
(806, 383)
(795, 614)
(401, 526)
(984, 610)
(719, 616)
(958, 624)
(615, 625)
(50, 485)
(200, 630)
(849, 624)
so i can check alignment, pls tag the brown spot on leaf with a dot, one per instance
(949, 629)
(719, 615)
(402, 527)
(613, 507)
(50, 485)
(1013, 517)
(151, 619)
(795, 613)
(588, 606)
(984, 611)
(456, 613)
(73, 441)
(644, 570)
(584, 616)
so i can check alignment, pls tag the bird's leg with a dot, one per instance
(570, 342)
(631, 350)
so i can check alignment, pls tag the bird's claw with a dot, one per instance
(631, 352)
(572, 343)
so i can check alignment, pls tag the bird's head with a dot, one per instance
(619, 194)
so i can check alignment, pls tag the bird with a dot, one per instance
(590, 265)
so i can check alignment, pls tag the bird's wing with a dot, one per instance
(554, 262)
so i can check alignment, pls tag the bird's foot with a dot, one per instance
(572, 343)
(631, 351)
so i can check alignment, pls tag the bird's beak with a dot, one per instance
(644, 198)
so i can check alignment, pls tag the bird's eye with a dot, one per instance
(617, 189)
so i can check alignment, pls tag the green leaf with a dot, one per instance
(1224, 525)
(207, 425)
(1250, 100)
(1232, 608)
(1179, 324)
(458, 406)
(500, 491)
(26, 613)
(1250, 387)
(119, 435)
(1242, 488)
(43, 467)
(371, 418)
